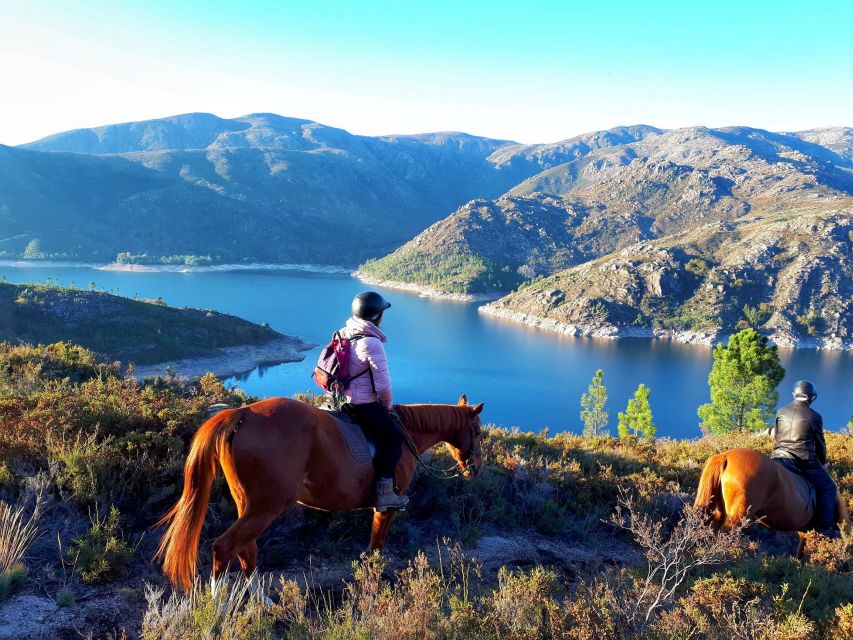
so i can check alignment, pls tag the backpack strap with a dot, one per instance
(369, 370)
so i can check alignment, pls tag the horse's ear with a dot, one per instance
(463, 400)
(478, 409)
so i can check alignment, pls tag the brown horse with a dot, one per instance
(279, 452)
(742, 482)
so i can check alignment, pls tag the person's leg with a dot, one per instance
(825, 499)
(379, 425)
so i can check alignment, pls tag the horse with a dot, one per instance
(743, 481)
(279, 452)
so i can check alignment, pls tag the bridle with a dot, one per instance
(459, 468)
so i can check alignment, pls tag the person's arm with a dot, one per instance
(378, 363)
(819, 441)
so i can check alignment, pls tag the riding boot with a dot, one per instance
(830, 533)
(385, 496)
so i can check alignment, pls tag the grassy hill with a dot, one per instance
(140, 331)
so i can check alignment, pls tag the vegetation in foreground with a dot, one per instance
(92, 459)
(139, 331)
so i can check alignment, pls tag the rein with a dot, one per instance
(441, 474)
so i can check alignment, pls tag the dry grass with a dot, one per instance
(17, 534)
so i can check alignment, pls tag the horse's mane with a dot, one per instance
(434, 418)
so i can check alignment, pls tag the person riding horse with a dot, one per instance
(801, 447)
(369, 398)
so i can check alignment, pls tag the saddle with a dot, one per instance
(361, 448)
(805, 490)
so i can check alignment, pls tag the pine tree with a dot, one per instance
(743, 383)
(637, 419)
(593, 413)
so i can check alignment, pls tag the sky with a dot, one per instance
(532, 71)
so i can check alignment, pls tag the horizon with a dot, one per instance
(548, 73)
(421, 133)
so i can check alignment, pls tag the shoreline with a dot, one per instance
(178, 268)
(425, 291)
(231, 361)
(209, 268)
(614, 332)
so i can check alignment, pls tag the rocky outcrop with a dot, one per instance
(786, 272)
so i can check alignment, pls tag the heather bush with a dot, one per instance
(103, 552)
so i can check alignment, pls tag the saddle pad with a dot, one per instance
(805, 490)
(361, 449)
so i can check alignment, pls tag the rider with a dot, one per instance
(369, 396)
(800, 446)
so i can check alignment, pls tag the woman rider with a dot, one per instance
(369, 396)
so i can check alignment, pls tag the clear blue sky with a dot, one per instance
(530, 71)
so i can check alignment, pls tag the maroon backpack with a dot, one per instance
(332, 370)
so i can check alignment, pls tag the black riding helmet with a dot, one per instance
(369, 305)
(806, 389)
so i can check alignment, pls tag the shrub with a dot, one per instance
(697, 267)
(103, 552)
(225, 609)
(65, 598)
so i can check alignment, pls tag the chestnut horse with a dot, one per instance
(279, 452)
(742, 481)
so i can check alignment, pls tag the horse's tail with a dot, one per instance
(179, 546)
(709, 496)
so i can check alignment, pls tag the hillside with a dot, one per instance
(837, 139)
(525, 550)
(787, 271)
(260, 188)
(614, 197)
(144, 332)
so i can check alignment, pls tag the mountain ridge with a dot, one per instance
(290, 182)
(623, 194)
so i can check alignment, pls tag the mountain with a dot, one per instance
(613, 197)
(787, 271)
(837, 139)
(259, 188)
(140, 331)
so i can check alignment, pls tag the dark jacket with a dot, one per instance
(799, 434)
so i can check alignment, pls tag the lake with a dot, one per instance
(528, 378)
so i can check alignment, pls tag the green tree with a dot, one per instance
(637, 419)
(743, 383)
(757, 315)
(593, 413)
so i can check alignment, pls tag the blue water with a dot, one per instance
(438, 350)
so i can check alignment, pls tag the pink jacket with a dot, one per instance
(368, 352)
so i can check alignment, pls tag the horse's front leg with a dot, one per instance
(379, 530)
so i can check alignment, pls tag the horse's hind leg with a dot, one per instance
(240, 540)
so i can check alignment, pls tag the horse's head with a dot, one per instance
(464, 445)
